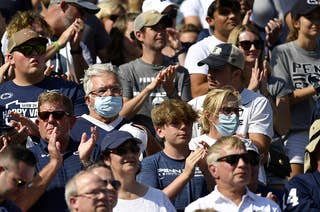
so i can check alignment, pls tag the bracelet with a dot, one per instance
(77, 51)
(56, 46)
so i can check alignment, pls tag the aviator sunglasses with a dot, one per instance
(44, 115)
(27, 50)
(246, 44)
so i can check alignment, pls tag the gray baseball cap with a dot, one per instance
(84, 4)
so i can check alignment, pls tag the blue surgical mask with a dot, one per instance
(228, 124)
(108, 106)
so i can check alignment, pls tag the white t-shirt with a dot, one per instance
(153, 200)
(250, 202)
(198, 52)
(194, 142)
(196, 8)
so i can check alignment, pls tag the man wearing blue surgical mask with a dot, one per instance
(104, 98)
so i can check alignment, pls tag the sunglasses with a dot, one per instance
(114, 183)
(230, 110)
(19, 183)
(113, 17)
(234, 159)
(27, 50)
(125, 150)
(44, 115)
(246, 44)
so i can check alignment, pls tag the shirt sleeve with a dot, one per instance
(126, 81)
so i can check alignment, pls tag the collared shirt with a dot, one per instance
(250, 202)
(53, 198)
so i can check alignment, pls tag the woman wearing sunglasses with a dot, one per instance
(297, 63)
(220, 116)
(121, 153)
(257, 74)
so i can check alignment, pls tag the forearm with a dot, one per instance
(282, 118)
(199, 85)
(132, 106)
(40, 182)
(79, 66)
(300, 95)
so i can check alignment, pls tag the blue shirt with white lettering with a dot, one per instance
(53, 198)
(158, 171)
(24, 99)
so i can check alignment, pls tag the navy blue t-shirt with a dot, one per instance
(83, 125)
(158, 171)
(53, 198)
(8, 206)
(24, 99)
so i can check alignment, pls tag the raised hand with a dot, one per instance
(192, 160)
(21, 121)
(167, 77)
(272, 30)
(54, 148)
(86, 146)
(255, 77)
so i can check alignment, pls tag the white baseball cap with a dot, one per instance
(158, 5)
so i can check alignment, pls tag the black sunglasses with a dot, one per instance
(255, 158)
(246, 44)
(234, 159)
(114, 183)
(27, 50)
(125, 150)
(229, 110)
(113, 17)
(44, 115)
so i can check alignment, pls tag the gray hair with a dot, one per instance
(96, 70)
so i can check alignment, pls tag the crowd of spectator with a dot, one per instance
(159, 105)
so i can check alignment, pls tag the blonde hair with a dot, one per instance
(212, 104)
(55, 97)
(108, 8)
(226, 142)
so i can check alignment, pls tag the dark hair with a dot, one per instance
(217, 4)
(16, 153)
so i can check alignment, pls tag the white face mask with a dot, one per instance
(108, 106)
(228, 124)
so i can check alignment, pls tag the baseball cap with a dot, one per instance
(84, 4)
(158, 5)
(147, 19)
(137, 132)
(223, 54)
(115, 138)
(303, 7)
(314, 138)
(22, 36)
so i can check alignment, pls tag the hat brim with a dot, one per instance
(41, 40)
(88, 7)
(213, 61)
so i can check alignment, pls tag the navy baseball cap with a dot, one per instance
(115, 138)
(303, 7)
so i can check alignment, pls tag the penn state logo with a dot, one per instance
(313, 2)
(6, 96)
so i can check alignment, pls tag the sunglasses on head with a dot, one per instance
(234, 158)
(114, 183)
(246, 44)
(125, 150)
(230, 110)
(27, 50)
(44, 115)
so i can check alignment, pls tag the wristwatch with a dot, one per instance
(316, 86)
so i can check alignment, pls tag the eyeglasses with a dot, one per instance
(94, 194)
(125, 150)
(18, 182)
(230, 110)
(234, 159)
(44, 115)
(114, 183)
(102, 91)
(246, 44)
(27, 50)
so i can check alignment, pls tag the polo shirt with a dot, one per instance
(53, 198)
(250, 202)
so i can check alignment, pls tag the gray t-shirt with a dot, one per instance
(298, 68)
(137, 74)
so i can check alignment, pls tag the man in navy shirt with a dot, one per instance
(59, 158)
(26, 51)
(16, 172)
(302, 191)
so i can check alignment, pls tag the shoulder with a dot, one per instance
(201, 203)
(263, 202)
(154, 158)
